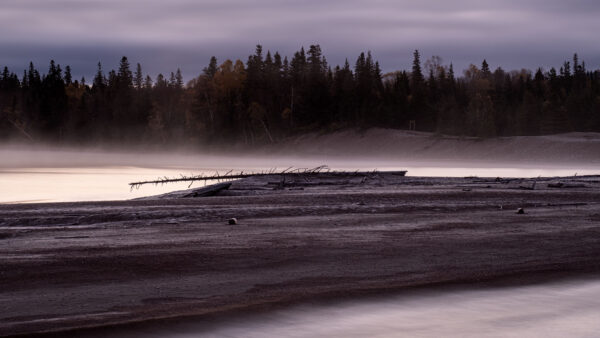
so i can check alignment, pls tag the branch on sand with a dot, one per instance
(231, 175)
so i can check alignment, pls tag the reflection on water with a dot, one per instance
(30, 185)
(568, 309)
(53, 176)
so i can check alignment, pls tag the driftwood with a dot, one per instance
(302, 173)
(210, 190)
(532, 186)
(230, 175)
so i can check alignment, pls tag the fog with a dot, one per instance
(30, 175)
(565, 309)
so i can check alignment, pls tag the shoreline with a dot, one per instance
(222, 316)
(71, 265)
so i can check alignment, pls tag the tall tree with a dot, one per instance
(138, 79)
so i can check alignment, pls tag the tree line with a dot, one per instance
(269, 97)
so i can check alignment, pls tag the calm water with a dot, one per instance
(565, 309)
(55, 176)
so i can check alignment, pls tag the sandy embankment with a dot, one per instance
(74, 265)
(583, 148)
(379, 146)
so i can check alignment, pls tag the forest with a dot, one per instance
(270, 97)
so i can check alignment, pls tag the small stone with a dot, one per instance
(232, 221)
(520, 211)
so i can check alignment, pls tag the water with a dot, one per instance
(29, 175)
(565, 309)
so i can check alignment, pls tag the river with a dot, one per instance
(41, 175)
(559, 309)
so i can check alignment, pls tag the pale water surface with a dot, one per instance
(28, 176)
(564, 309)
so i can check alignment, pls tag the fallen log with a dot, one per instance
(210, 190)
(321, 171)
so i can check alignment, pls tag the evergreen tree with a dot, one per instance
(125, 77)
(68, 77)
(178, 79)
(417, 74)
(211, 69)
(485, 70)
(138, 79)
(99, 79)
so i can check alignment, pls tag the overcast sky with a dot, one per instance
(165, 34)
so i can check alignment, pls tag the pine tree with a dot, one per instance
(25, 80)
(68, 77)
(485, 70)
(211, 69)
(138, 79)
(99, 79)
(125, 77)
(148, 82)
(178, 79)
(417, 74)
(172, 80)
(451, 74)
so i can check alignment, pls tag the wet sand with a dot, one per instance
(67, 266)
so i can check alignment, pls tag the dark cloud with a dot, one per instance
(164, 35)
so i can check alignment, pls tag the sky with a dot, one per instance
(164, 35)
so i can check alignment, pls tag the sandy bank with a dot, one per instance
(74, 265)
(381, 146)
(581, 148)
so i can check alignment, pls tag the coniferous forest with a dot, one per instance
(269, 97)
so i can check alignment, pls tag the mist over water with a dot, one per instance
(564, 309)
(29, 175)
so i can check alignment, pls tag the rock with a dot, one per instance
(232, 221)
(520, 211)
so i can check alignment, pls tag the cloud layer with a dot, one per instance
(164, 35)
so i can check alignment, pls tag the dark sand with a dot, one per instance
(66, 266)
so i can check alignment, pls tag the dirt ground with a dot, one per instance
(90, 264)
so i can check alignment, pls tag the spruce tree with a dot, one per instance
(125, 77)
(138, 78)
(99, 79)
(211, 69)
(178, 79)
(417, 74)
(68, 77)
(485, 70)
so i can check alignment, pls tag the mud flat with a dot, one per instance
(66, 266)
